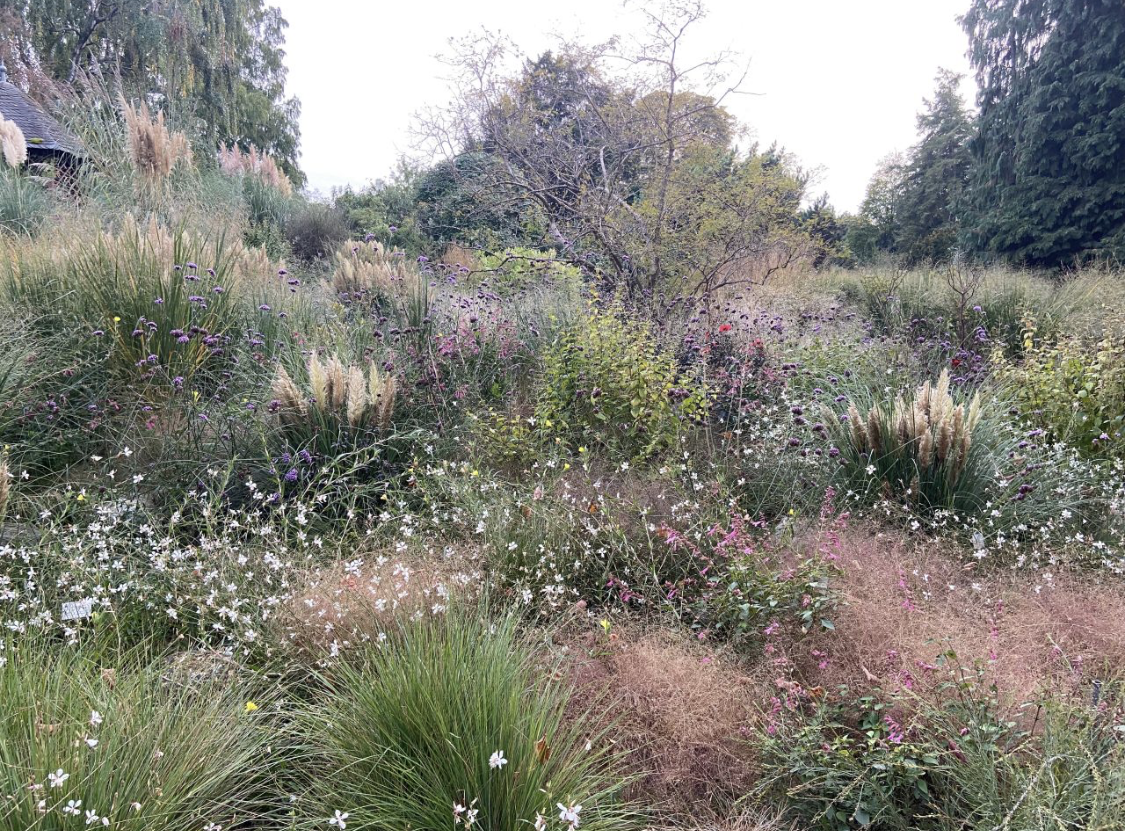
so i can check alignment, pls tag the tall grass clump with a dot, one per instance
(365, 273)
(453, 722)
(24, 203)
(83, 745)
(342, 405)
(155, 150)
(314, 231)
(930, 448)
(162, 300)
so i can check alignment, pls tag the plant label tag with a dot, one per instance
(77, 609)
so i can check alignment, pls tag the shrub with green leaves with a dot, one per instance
(606, 384)
(516, 269)
(1074, 388)
(454, 722)
(127, 746)
(946, 760)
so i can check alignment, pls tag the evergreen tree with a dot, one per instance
(936, 175)
(1049, 175)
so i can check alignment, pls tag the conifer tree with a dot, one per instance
(1048, 185)
(936, 175)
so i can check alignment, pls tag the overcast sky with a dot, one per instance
(838, 82)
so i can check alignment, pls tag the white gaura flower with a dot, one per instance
(540, 822)
(72, 807)
(569, 813)
(95, 718)
(338, 820)
(58, 778)
(497, 760)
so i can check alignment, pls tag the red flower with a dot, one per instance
(726, 327)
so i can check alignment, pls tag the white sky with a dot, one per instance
(837, 82)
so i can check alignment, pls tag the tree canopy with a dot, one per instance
(215, 67)
(1048, 183)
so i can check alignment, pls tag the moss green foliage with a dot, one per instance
(405, 735)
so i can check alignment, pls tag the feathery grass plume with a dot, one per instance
(261, 166)
(926, 450)
(292, 406)
(382, 387)
(859, 432)
(357, 396)
(5, 488)
(349, 405)
(874, 431)
(318, 382)
(154, 148)
(919, 445)
(336, 384)
(12, 143)
(365, 268)
(945, 440)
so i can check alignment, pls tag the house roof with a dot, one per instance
(40, 130)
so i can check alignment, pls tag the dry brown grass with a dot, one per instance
(356, 600)
(686, 712)
(905, 604)
(681, 713)
(456, 255)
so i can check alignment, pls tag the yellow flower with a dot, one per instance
(251, 706)
(116, 319)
